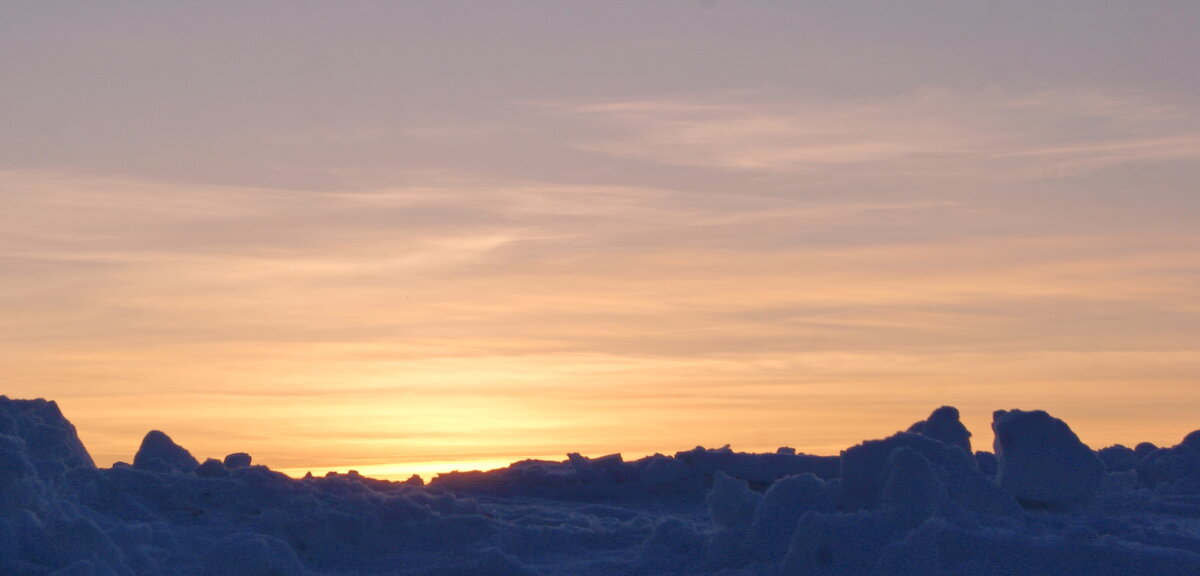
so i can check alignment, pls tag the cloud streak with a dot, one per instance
(453, 308)
(1012, 133)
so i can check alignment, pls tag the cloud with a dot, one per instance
(1016, 135)
(450, 299)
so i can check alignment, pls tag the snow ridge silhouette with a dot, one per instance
(918, 502)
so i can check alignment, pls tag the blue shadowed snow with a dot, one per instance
(918, 502)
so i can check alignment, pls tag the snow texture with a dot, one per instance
(914, 503)
(161, 454)
(1042, 462)
(1118, 458)
(943, 425)
(237, 460)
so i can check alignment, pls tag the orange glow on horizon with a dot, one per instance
(344, 332)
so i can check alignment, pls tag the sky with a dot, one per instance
(423, 236)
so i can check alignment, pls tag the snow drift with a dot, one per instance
(918, 502)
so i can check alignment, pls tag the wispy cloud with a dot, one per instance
(452, 299)
(933, 128)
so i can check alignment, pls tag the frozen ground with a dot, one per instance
(919, 502)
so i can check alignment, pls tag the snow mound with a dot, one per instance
(783, 505)
(237, 460)
(987, 463)
(865, 471)
(1172, 470)
(944, 425)
(731, 502)
(1192, 440)
(913, 488)
(758, 469)
(1042, 462)
(907, 504)
(689, 472)
(1178, 464)
(159, 453)
(53, 445)
(1118, 458)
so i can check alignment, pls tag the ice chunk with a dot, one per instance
(913, 489)
(664, 470)
(51, 440)
(237, 460)
(159, 453)
(944, 426)
(212, 468)
(1169, 465)
(1143, 449)
(1192, 440)
(1118, 458)
(760, 470)
(731, 502)
(865, 470)
(785, 502)
(987, 462)
(1042, 463)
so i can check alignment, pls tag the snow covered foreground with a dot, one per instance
(918, 502)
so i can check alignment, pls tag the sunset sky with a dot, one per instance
(413, 237)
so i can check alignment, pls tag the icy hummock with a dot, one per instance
(917, 502)
(161, 454)
(944, 426)
(1042, 462)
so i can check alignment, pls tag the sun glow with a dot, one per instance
(439, 319)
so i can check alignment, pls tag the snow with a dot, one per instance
(731, 502)
(918, 502)
(1192, 440)
(1118, 458)
(1170, 466)
(52, 443)
(944, 425)
(783, 505)
(161, 454)
(1042, 462)
(237, 460)
(987, 463)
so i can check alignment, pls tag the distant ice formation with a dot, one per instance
(917, 502)
(161, 454)
(1042, 462)
(944, 426)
